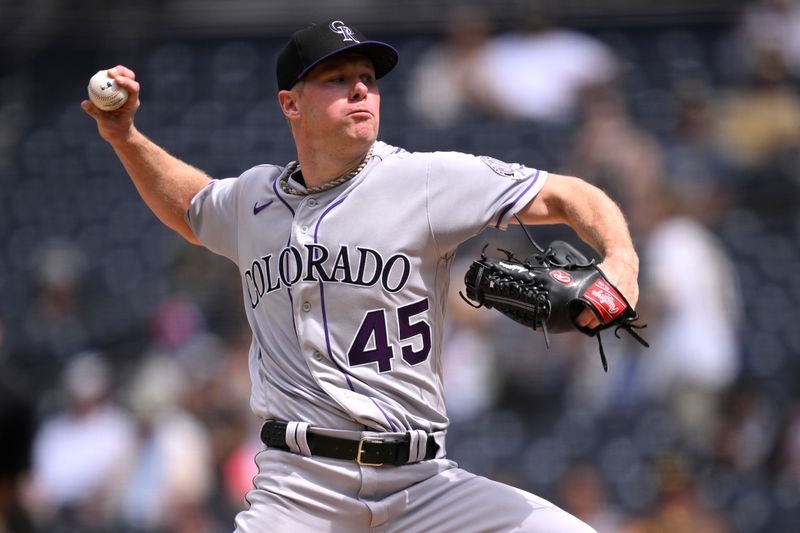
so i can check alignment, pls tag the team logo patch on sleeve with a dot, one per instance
(515, 171)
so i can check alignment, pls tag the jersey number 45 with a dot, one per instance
(371, 343)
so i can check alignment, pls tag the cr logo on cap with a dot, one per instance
(337, 26)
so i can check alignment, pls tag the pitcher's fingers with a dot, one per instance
(127, 83)
(587, 319)
(90, 108)
(121, 70)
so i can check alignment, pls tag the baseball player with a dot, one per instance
(344, 259)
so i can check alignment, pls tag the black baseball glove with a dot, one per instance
(549, 290)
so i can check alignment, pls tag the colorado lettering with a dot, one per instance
(315, 263)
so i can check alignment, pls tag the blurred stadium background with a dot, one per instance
(123, 349)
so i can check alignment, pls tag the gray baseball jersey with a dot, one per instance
(345, 289)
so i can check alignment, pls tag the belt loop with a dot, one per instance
(439, 439)
(296, 437)
(418, 445)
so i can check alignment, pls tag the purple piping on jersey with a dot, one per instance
(324, 213)
(512, 204)
(384, 414)
(322, 298)
(291, 305)
(288, 243)
(325, 316)
(328, 339)
(275, 188)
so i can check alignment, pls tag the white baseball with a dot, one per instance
(105, 93)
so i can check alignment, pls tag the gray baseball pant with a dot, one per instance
(296, 494)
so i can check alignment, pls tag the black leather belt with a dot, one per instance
(368, 451)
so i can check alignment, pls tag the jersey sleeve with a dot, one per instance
(213, 215)
(467, 194)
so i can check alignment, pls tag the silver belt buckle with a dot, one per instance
(361, 450)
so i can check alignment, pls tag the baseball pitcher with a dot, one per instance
(344, 257)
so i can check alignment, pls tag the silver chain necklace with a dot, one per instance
(295, 166)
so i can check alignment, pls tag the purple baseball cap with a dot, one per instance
(310, 46)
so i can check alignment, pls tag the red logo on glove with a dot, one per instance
(605, 299)
(561, 277)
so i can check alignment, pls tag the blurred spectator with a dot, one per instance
(693, 157)
(179, 332)
(79, 453)
(748, 429)
(176, 323)
(616, 154)
(238, 471)
(233, 429)
(169, 475)
(761, 120)
(771, 26)
(582, 493)
(213, 286)
(540, 73)
(591, 389)
(17, 430)
(786, 467)
(693, 318)
(190, 386)
(680, 507)
(789, 446)
(442, 87)
(54, 322)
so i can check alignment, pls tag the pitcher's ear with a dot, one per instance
(289, 104)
